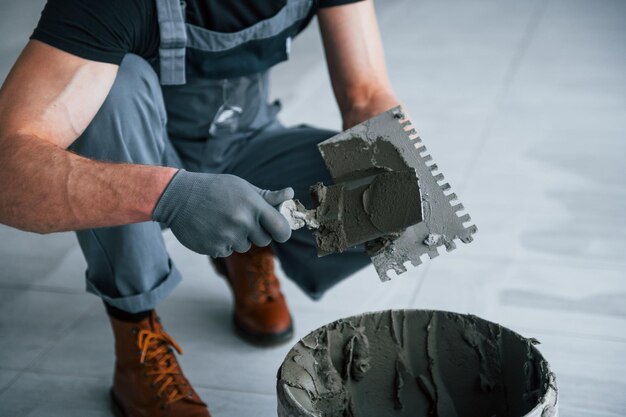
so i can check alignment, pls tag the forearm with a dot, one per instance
(356, 80)
(48, 189)
(356, 62)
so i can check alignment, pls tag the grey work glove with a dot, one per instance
(214, 214)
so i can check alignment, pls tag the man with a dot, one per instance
(125, 115)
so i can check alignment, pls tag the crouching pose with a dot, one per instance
(122, 117)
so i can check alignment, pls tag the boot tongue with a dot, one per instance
(153, 323)
(166, 360)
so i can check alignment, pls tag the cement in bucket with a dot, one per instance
(415, 363)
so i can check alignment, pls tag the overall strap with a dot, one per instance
(173, 42)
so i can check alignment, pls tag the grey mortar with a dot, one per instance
(387, 143)
(365, 209)
(415, 363)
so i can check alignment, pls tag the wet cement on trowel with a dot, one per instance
(365, 209)
(412, 363)
(386, 143)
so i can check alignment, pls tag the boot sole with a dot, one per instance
(116, 408)
(263, 339)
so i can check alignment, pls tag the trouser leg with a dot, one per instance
(128, 266)
(289, 158)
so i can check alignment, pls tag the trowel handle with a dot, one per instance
(297, 215)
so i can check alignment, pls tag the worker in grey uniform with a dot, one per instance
(123, 117)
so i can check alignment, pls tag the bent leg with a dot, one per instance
(128, 266)
(289, 158)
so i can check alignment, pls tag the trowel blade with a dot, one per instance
(388, 142)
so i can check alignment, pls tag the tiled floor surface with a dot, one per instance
(523, 105)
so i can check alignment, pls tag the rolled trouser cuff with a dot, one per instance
(144, 301)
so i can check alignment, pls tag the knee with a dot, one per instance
(131, 123)
(136, 90)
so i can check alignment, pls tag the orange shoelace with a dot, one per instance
(156, 351)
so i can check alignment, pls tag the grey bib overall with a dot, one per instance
(215, 85)
(204, 109)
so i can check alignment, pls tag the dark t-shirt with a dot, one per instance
(105, 30)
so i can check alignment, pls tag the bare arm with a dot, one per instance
(356, 61)
(46, 102)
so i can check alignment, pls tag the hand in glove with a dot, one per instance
(214, 214)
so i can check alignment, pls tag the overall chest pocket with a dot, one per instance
(217, 55)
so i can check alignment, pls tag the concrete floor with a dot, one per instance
(523, 105)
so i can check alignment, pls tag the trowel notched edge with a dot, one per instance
(388, 142)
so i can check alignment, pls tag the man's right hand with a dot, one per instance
(214, 214)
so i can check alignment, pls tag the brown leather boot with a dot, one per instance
(148, 380)
(261, 315)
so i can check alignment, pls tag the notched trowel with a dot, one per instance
(387, 195)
